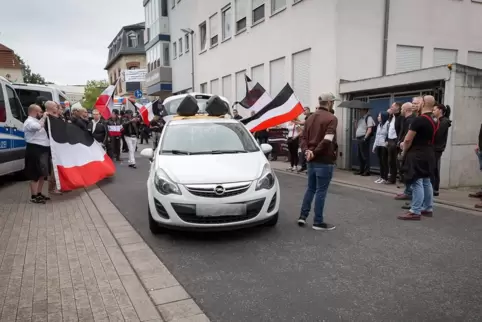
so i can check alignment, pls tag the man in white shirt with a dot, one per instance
(393, 139)
(37, 152)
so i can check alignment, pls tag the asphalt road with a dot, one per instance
(371, 268)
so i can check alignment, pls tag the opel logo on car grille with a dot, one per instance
(219, 190)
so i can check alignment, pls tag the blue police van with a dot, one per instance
(12, 141)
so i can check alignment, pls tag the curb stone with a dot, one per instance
(172, 301)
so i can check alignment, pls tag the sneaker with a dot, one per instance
(406, 206)
(379, 180)
(301, 221)
(323, 226)
(410, 216)
(290, 169)
(133, 166)
(41, 196)
(37, 200)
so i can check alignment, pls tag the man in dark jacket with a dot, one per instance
(98, 128)
(78, 119)
(318, 142)
(442, 113)
(114, 129)
(395, 123)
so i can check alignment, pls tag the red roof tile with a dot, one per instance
(8, 59)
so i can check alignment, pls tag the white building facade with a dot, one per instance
(312, 44)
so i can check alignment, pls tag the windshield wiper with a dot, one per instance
(177, 152)
(225, 151)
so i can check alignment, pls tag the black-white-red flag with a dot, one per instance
(78, 160)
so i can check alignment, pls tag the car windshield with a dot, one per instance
(171, 107)
(207, 138)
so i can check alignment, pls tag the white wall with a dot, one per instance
(431, 24)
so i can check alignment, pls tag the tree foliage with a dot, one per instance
(92, 90)
(28, 76)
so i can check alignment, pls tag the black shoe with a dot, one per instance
(365, 174)
(41, 196)
(406, 206)
(357, 173)
(37, 200)
(301, 221)
(435, 193)
(133, 166)
(323, 226)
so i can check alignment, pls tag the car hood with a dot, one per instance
(212, 168)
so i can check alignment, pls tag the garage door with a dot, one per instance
(301, 76)
(257, 74)
(227, 88)
(408, 58)
(277, 79)
(474, 59)
(444, 56)
(240, 85)
(215, 87)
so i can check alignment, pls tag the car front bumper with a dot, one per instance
(179, 211)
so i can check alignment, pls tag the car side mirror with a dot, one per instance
(148, 153)
(266, 148)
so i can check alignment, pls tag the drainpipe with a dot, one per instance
(385, 37)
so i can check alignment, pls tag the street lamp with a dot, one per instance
(189, 31)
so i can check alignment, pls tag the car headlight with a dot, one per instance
(164, 184)
(267, 178)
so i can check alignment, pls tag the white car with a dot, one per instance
(210, 174)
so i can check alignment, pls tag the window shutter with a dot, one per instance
(301, 76)
(444, 56)
(408, 58)
(257, 75)
(474, 59)
(227, 90)
(241, 7)
(277, 78)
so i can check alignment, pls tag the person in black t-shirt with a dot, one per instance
(419, 161)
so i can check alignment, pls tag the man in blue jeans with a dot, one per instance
(318, 143)
(419, 162)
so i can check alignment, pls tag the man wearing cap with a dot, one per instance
(318, 143)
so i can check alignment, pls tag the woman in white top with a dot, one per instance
(380, 146)
(293, 143)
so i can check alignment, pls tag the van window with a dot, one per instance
(29, 96)
(15, 106)
(3, 110)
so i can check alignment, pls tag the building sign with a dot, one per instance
(153, 77)
(135, 75)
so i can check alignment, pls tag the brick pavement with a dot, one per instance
(62, 262)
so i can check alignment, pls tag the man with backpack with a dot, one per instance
(365, 129)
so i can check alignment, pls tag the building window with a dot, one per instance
(227, 15)
(203, 35)
(240, 7)
(277, 5)
(174, 50)
(408, 58)
(444, 56)
(213, 29)
(186, 42)
(258, 10)
(474, 59)
(204, 88)
(164, 8)
(132, 39)
(165, 58)
(180, 47)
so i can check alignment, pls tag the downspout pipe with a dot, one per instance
(385, 37)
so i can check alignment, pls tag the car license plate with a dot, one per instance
(220, 210)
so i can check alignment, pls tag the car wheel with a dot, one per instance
(154, 226)
(272, 221)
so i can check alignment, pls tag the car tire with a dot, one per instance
(154, 226)
(272, 221)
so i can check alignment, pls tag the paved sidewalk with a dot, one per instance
(78, 259)
(451, 197)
